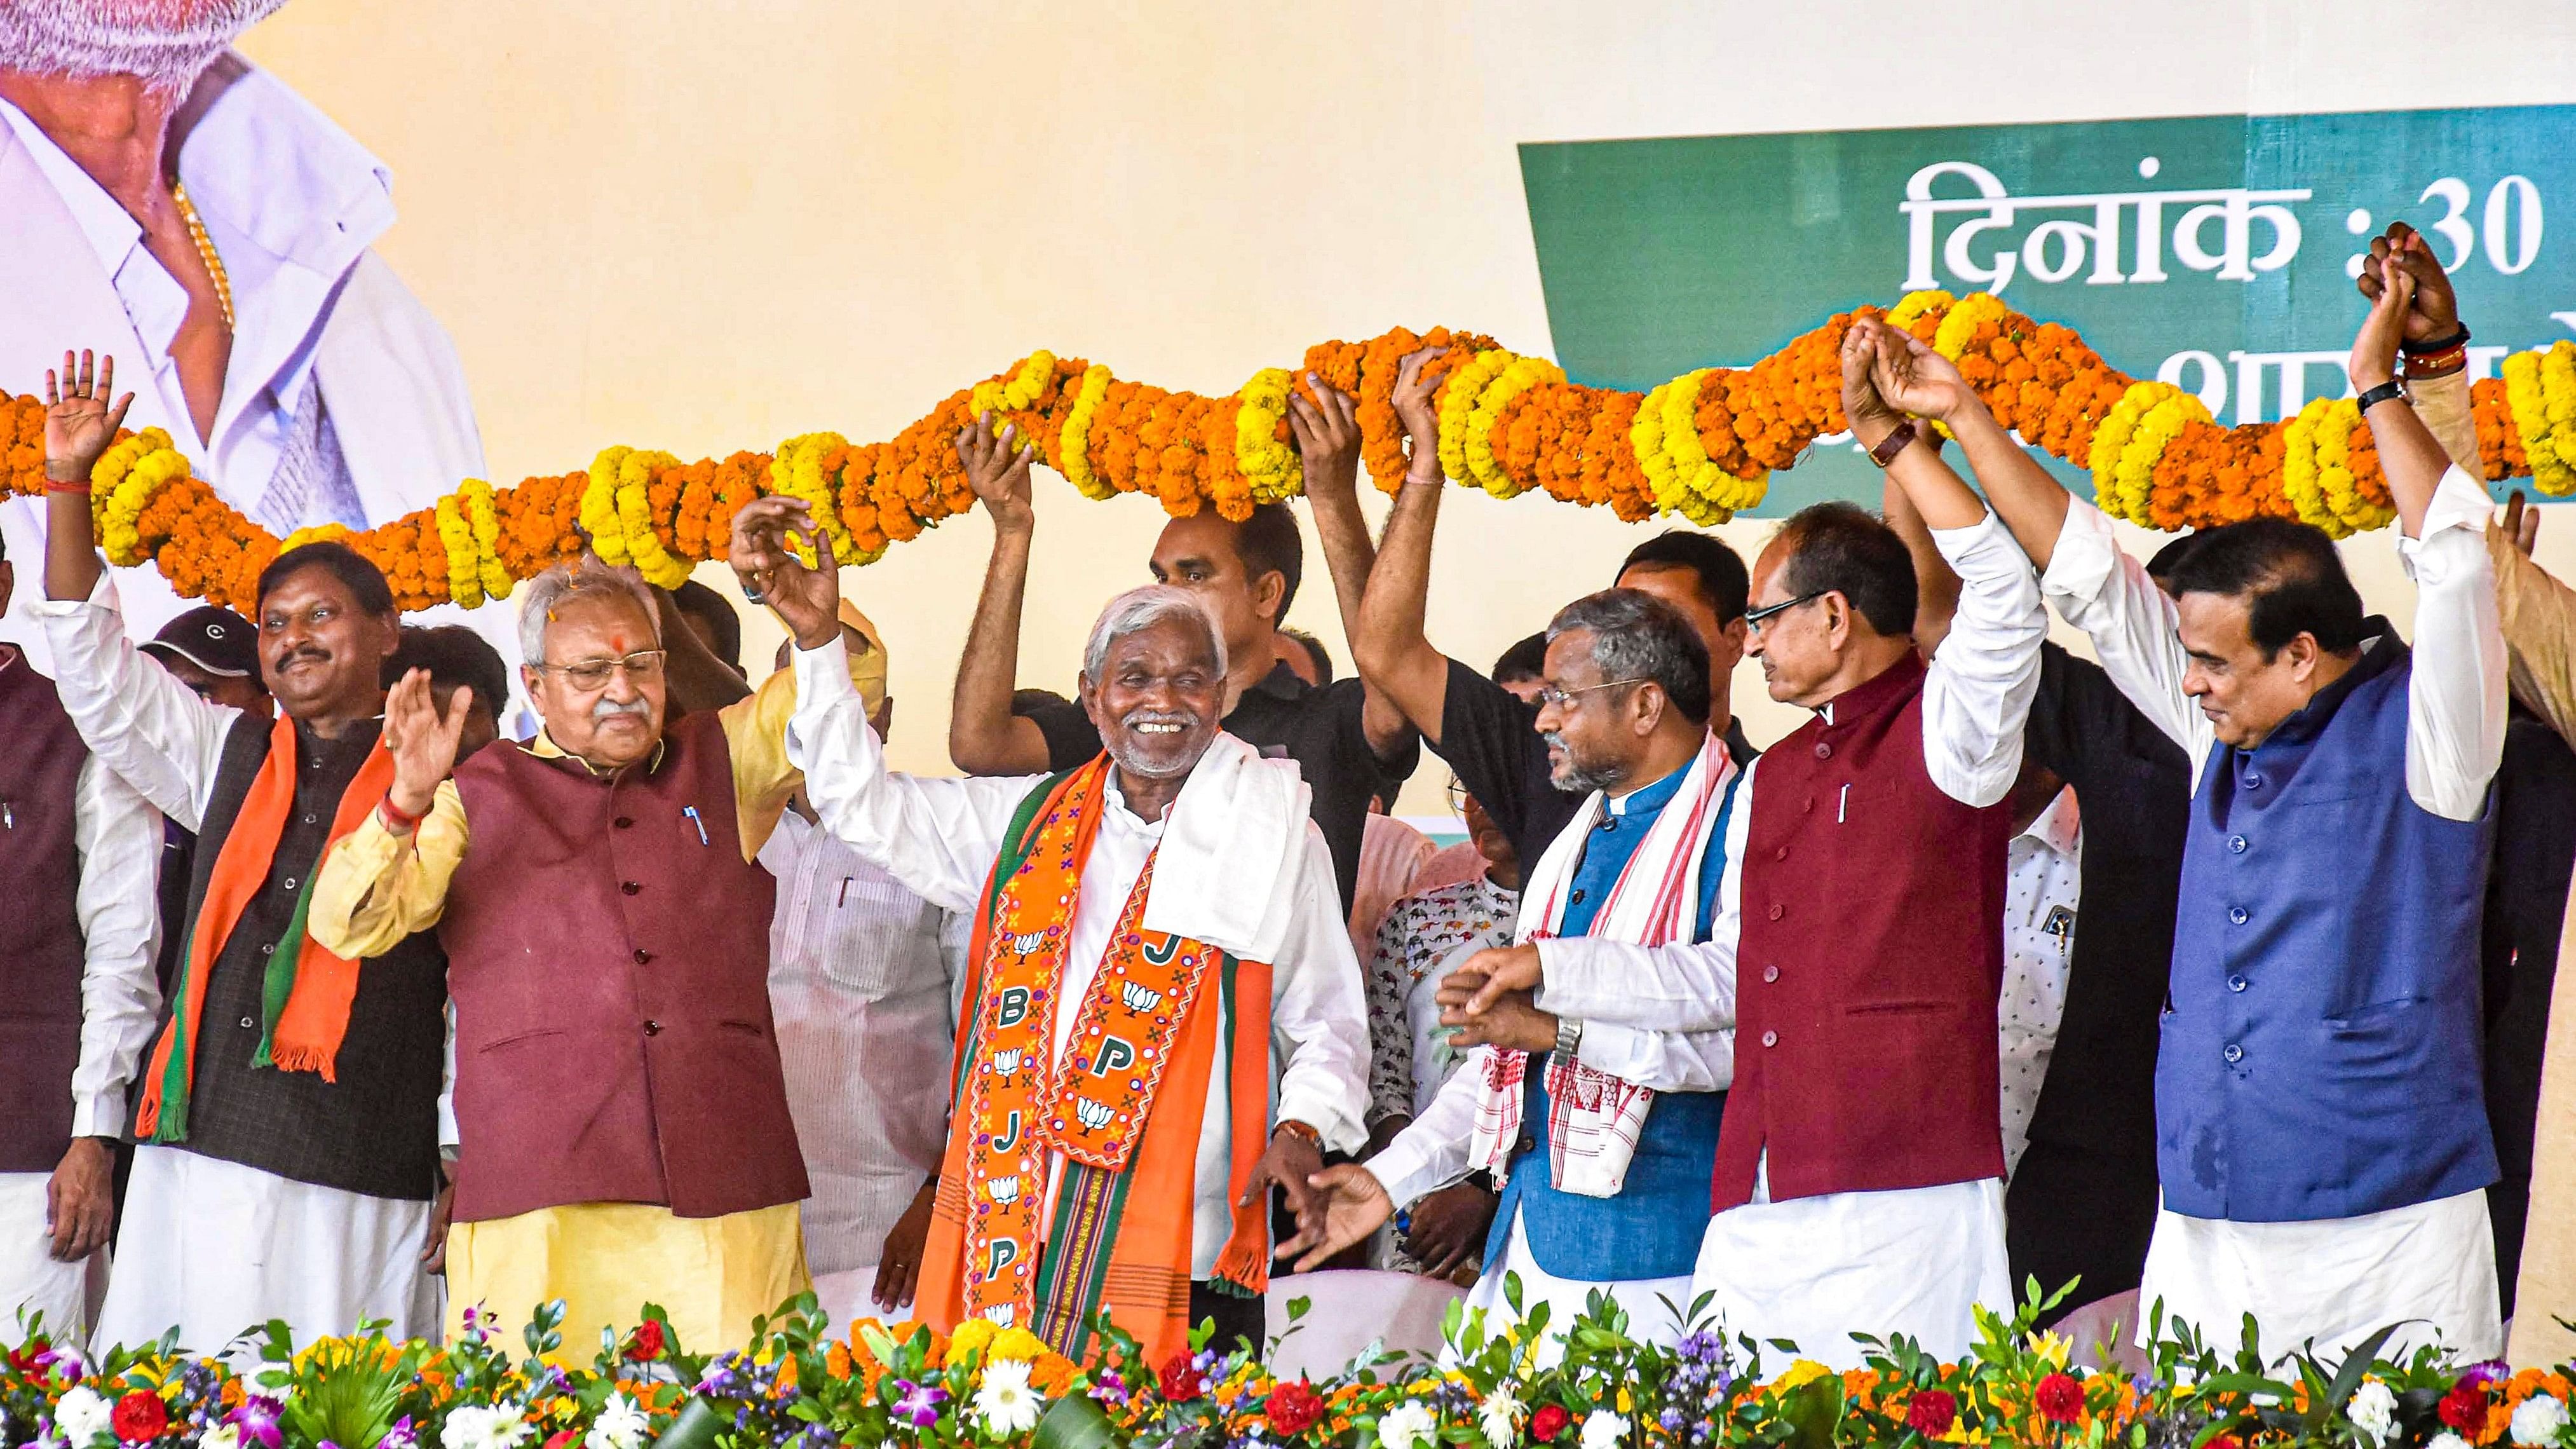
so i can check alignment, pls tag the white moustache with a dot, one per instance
(610, 708)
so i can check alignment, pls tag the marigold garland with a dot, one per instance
(1702, 445)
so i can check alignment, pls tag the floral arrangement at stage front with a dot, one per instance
(1702, 446)
(798, 1387)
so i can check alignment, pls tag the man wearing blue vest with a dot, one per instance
(2321, 1132)
(1603, 1136)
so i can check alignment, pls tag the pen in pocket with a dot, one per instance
(691, 812)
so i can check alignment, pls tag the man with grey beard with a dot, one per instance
(1159, 942)
(163, 200)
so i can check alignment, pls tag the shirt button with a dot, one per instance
(2236, 843)
(1770, 1038)
(1576, 898)
(2236, 914)
(2253, 782)
(1526, 1144)
(623, 821)
(2236, 983)
(1778, 910)
(630, 887)
(289, 883)
(642, 955)
(2234, 1053)
(249, 1025)
(1781, 854)
(654, 1028)
(309, 819)
(268, 950)
(1824, 749)
(1770, 973)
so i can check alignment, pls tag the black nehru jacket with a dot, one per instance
(2082, 1202)
(1285, 718)
(2535, 844)
(1491, 739)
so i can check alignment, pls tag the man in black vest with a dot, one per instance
(76, 991)
(288, 1113)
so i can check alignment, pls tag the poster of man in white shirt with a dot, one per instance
(166, 202)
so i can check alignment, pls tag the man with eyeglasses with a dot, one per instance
(621, 1128)
(287, 1122)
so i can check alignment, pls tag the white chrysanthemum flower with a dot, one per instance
(226, 1435)
(2373, 1410)
(481, 1426)
(1604, 1430)
(1006, 1403)
(1499, 1416)
(2538, 1420)
(620, 1425)
(82, 1416)
(2447, 1440)
(1407, 1426)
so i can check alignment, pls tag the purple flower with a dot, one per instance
(2494, 1370)
(1671, 1419)
(919, 1405)
(257, 1420)
(65, 1361)
(1110, 1387)
(403, 1435)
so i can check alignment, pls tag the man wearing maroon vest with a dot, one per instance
(1859, 1178)
(77, 996)
(623, 1134)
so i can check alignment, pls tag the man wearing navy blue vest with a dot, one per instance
(1609, 1197)
(2322, 1140)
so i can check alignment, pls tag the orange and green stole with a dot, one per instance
(1114, 1233)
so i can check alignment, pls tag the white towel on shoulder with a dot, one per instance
(1226, 872)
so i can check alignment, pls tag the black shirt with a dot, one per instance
(1285, 717)
(2535, 844)
(1490, 738)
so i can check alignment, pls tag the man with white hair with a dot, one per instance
(170, 203)
(1160, 951)
(621, 1128)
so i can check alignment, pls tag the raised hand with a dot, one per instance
(1912, 377)
(2521, 524)
(1868, 415)
(79, 422)
(806, 599)
(1327, 431)
(1416, 380)
(2374, 349)
(1350, 1204)
(422, 739)
(997, 468)
(2434, 315)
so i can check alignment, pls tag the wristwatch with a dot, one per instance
(1569, 1038)
(1894, 443)
(2393, 388)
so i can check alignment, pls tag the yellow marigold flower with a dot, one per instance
(973, 1336)
(1803, 1371)
(1073, 444)
(1458, 408)
(1910, 310)
(599, 506)
(456, 536)
(1016, 1343)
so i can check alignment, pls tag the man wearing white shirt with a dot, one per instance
(1163, 956)
(79, 847)
(2321, 1130)
(163, 200)
(2042, 892)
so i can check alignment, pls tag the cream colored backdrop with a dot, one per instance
(706, 226)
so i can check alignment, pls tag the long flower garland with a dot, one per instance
(798, 1387)
(1702, 446)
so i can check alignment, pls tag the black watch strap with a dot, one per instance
(2382, 393)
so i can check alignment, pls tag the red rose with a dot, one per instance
(23, 1357)
(1181, 1380)
(1294, 1407)
(648, 1341)
(1548, 1422)
(2059, 1399)
(140, 1416)
(2465, 1409)
(1931, 1412)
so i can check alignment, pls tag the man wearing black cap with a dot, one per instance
(76, 842)
(215, 652)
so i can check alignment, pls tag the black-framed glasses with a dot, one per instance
(1549, 694)
(590, 674)
(1754, 619)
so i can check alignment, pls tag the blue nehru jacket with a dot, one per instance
(2321, 1049)
(1652, 1229)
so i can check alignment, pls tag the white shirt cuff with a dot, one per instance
(823, 675)
(2085, 553)
(100, 1116)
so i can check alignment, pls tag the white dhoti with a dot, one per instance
(30, 1280)
(1816, 1270)
(2334, 1282)
(1655, 1306)
(218, 1248)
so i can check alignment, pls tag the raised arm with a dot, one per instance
(1388, 646)
(984, 737)
(389, 878)
(2538, 616)
(1328, 449)
(2031, 502)
(697, 679)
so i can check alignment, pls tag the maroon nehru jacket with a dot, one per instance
(608, 954)
(1871, 956)
(41, 952)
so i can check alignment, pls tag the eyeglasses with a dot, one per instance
(1549, 694)
(590, 674)
(1754, 619)
(1457, 796)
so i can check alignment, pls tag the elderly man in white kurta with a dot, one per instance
(166, 202)
(1164, 1019)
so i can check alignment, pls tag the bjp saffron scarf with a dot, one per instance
(1113, 1230)
(307, 991)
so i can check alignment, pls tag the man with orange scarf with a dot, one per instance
(1160, 952)
(288, 1115)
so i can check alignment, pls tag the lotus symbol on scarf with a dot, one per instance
(1026, 943)
(1094, 1115)
(1001, 1314)
(1007, 1060)
(1005, 1190)
(1140, 998)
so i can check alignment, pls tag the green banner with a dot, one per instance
(2214, 252)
